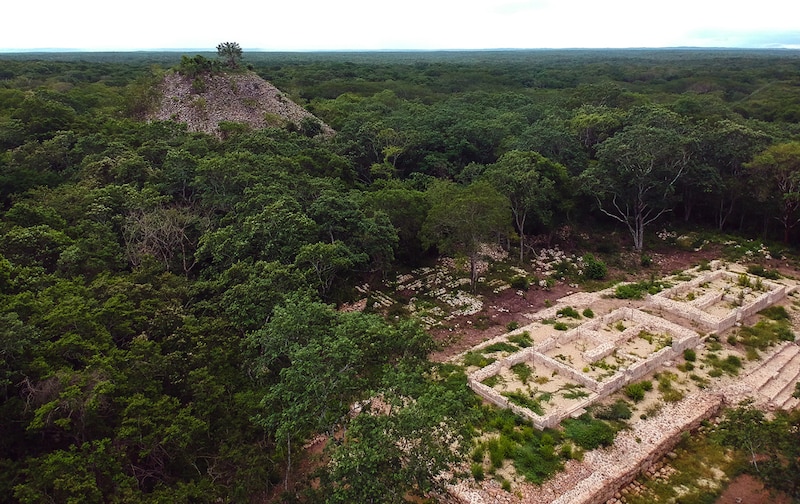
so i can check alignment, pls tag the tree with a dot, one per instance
(231, 52)
(529, 180)
(778, 167)
(773, 446)
(635, 176)
(724, 148)
(461, 219)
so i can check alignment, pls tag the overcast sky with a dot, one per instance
(300, 25)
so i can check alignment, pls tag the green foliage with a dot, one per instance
(522, 371)
(462, 218)
(588, 313)
(594, 269)
(560, 326)
(758, 269)
(639, 289)
(500, 346)
(519, 282)
(636, 391)
(475, 358)
(196, 67)
(523, 339)
(775, 312)
(771, 446)
(231, 52)
(149, 273)
(588, 433)
(669, 392)
(729, 365)
(769, 331)
(569, 311)
(690, 355)
(524, 400)
(618, 410)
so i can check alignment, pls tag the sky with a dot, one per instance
(330, 25)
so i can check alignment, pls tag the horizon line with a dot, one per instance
(408, 50)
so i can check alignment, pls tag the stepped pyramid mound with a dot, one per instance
(210, 99)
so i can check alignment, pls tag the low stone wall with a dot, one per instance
(689, 312)
(635, 451)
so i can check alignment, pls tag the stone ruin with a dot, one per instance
(602, 355)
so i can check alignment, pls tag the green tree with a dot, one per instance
(230, 52)
(778, 170)
(638, 168)
(461, 219)
(534, 185)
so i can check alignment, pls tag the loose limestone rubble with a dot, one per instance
(600, 476)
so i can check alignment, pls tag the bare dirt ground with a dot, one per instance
(746, 489)
(465, 332)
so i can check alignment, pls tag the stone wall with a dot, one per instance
(634, 452)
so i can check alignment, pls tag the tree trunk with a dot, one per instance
(473, 271)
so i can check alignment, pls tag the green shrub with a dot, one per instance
(759, 270)
(492, 381)
(477, 453)
(522, 339)
(574, 392)
(524, 401)
(588, 313)
(500, 346)
(500, 448)
(512, 325)
(560, 326)
(569, 311)
(637, 290)
(477, 471)
(628, 291)
(588, 433)
(477, 359)
(536, 462)
(775, 312)
(619, 410)
(523, 372)
(690, 355)
(520, 282)
(636, 391)
(645, 261)
(593, 269)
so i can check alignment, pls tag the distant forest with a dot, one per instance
(168, 322)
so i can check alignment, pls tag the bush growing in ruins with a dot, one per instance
(588, 433)
(759, 270)
(690, 355)
(569, 311)
(636, 391)
(619, 410)
(522, 339)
